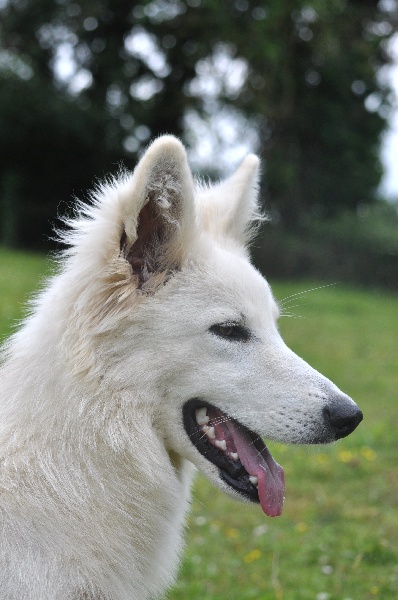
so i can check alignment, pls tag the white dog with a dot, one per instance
(155, 347)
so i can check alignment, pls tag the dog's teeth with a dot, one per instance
(209, 431)
(201, 416)
(234, 455)
(253, 479)
(222, 444)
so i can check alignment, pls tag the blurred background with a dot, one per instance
(306, 84)
(309, 86)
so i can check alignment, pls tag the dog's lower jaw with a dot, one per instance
(243, 461)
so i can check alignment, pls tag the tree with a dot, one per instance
(312, 92)
(85, 84)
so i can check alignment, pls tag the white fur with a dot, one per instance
(95, 464)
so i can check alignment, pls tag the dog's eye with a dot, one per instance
(231, 331)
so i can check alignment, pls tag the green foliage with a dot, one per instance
(338, 536)
(357, 247)
(297, 73)
(374, 227)
(322, 148)
(50, 150)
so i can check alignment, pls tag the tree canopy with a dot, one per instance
(85, 84)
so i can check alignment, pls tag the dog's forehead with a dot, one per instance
(224, 279)
(242, 282)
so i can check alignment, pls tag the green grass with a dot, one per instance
(338, 536)
(20, 274)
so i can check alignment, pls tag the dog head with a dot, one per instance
(182, 323)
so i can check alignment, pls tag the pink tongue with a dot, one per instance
(271, 478)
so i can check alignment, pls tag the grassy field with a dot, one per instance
(338, 536)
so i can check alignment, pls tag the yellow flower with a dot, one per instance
(345, 456)
(374, 590)
(322, 458)
(301, 527)
(368, 453)
(232, 533)
(252, 556)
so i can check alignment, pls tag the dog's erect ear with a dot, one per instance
(156, 232)
(230, 209)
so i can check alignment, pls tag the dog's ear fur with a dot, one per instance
(161, 217)
(230, 209)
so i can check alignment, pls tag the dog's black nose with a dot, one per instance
(343, 416)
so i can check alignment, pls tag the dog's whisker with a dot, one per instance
(319, 287)
(287, 305)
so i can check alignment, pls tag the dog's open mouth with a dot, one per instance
(243, 460)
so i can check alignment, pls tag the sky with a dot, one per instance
(389, 185)
(389, 153)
